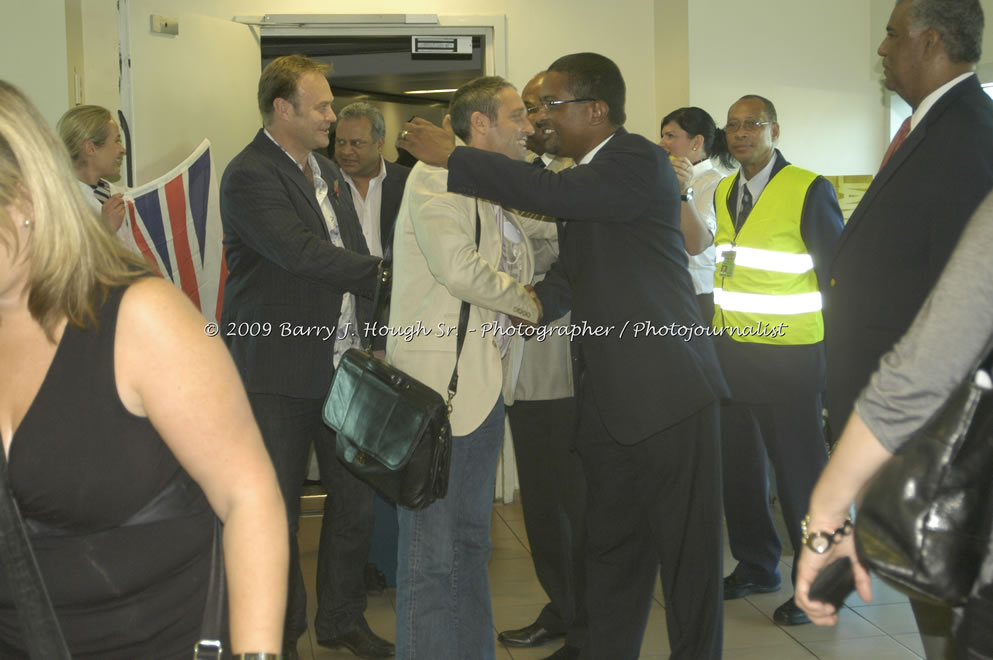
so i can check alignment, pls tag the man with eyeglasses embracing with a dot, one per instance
(647, 404)
(543, 425)
(777, 228)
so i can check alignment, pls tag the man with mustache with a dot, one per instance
(777, 227)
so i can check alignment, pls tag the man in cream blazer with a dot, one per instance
(443, 600)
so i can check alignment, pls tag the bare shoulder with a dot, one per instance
(155, 301)
(158, 323)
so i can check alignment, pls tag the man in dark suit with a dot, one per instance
(377, 185)
(297, 261)
(553, 488)
(937, 171)
(777, 227)
(377, 190)
(649, 376)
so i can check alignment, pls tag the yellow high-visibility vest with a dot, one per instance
(765, 287)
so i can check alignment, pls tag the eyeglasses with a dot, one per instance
(750, 126)
(548, 105)
(532, 109)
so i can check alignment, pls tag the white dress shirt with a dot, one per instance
(346, 335)
(368, 208)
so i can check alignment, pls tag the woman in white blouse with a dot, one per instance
(693, 142)
(94, 143)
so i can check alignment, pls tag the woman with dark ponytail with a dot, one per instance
(693, 142)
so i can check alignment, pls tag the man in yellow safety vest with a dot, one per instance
(777, 227)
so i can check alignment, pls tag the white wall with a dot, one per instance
(100, 45)
(33, 53)
(816, 61)
(672, 59)
(537, 33)
(812, 60)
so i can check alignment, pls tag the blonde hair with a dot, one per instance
(81, 124)
(279, 81)
(75, 258)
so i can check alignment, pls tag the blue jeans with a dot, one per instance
(443, 590)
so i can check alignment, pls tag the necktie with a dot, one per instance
(538, 162)
(102, 191)
(746, 207)
(898, 139)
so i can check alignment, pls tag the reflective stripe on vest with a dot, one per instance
(780, 262)
(758, 303)
(772, 283)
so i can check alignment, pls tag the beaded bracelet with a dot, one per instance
(820, 542)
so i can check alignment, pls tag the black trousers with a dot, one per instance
(553, 497)
(706, 303)
(650, 505)
(790, 433)
(289, 427)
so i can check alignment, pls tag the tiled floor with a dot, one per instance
(882, 630)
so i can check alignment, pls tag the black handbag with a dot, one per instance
(925, 518)
(393, 431)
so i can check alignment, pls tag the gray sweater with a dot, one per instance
(945, 342)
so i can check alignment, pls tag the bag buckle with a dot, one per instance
(208, 649)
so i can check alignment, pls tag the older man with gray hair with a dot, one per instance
(377, 185)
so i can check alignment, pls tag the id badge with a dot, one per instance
(727, 266)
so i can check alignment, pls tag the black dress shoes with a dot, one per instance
(533, 635)
(789, 614)
(362, 642)
(565, 653)
(735, 587)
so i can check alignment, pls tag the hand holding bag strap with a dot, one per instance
(210, 646)
(453, 384)
(42, 633)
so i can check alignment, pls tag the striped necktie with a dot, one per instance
(102, 191)
(746, 207)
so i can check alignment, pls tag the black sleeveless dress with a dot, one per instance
(80, 466)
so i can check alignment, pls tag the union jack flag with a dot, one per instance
(176, 222)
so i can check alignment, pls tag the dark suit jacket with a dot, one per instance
(766, 373)
(621, 263)
(284, 271)
(393, 185)
(901, 235)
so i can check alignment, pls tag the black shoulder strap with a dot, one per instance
(42, 633)
(385, 274)
(211, 646)
(453, 384)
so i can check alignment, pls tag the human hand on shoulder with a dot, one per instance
(426, 142)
